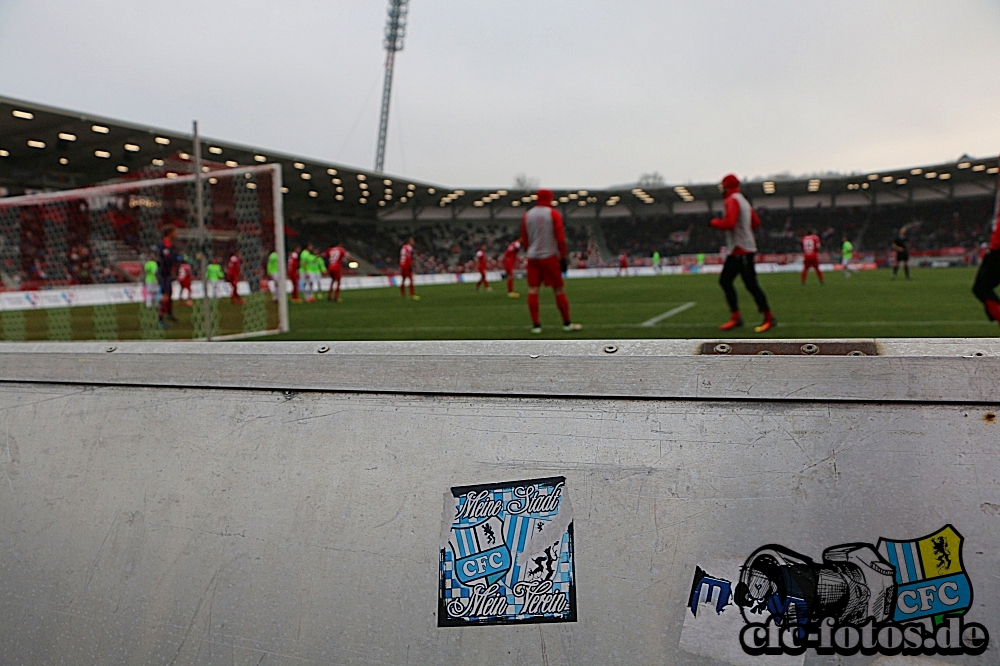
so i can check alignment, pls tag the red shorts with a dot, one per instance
(811, 262)
(547, 271)
(508, 267)
(185, 284)
(335, 274)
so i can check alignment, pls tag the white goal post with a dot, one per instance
(75, 264)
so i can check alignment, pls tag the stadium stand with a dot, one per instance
(945, 206)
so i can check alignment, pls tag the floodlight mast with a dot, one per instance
(395, 30)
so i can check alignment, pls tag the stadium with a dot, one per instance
(945, 207)
(262, 408)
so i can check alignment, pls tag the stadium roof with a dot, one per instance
(44, 148)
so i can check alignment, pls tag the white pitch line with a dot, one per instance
(667, 315)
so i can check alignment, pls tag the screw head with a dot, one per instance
(322, 349)
(809, 348)
(610, 349)
(722, 348)
(110, 349)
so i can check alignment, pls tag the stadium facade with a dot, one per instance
(45, 149)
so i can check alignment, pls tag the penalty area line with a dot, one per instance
(649, 323)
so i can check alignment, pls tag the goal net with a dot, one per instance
(89, 264)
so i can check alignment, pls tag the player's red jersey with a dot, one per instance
(810, 246)
(184, 273)
(335, 258)
(623, 260)
(293, 264)
(233, 269)
(510, 254)
(481, 261)
(406, 257)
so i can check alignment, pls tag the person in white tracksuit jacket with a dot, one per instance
(739, 223)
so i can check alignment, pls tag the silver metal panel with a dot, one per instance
(950, 371)
(192, 525)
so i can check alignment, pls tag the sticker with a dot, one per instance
(897, 597)
(507, 554)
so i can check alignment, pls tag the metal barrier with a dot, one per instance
(585, 502)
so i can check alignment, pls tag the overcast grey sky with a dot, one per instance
(579, 93)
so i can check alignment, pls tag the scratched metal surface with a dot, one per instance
(222, 526)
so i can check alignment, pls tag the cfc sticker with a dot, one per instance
(507, 554)
(895, 597)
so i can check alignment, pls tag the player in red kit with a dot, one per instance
(335, 266)
(509, 263)
(622, 264)
(293, 273)
(988, 276)
(739, 223)
(184, 275)
(810, 256)
(481, 266)
(543, 234)
(233, 277)
(406, 269)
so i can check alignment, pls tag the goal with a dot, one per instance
(75, 264)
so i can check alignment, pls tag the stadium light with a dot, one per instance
(335, 181)
(162, 140)
(916, 172)
(944, 176)
(100, 129)
(4, 153)
(299, 165)
(63, 160)
(431, 190)
(352, 264)
(339, 197)
(232, 163)
(213, 181)
(157, 161)
(583, 193)
(66, 136)
(131, 147)
(864, 186)
(990, 170)
(361, 176)
(515, 203)
(215, 150)
(413, 187)
(814, 185)
(340, 189)
(103, 154)
(284, 190)
(901, 181)
(386, 181)
(331, 172)
(305, 176)
(32, 143)
(887, 179)
(931, 174)
(381, 203)
(121, 168)
(979, 167)
(23, 115)
(313, 193)
(259, 158)
(184, 156)
(873, 176)
(964, 165)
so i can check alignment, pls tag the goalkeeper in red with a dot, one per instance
(739, 224)
(543, 234)
(988, 276)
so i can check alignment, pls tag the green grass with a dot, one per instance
(936, 303)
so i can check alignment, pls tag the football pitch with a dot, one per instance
(936, 303)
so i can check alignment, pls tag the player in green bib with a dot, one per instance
(306, 262)
(214, 275)
(151, 287)
(656, 261)
(272, 275)
(846, 254)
